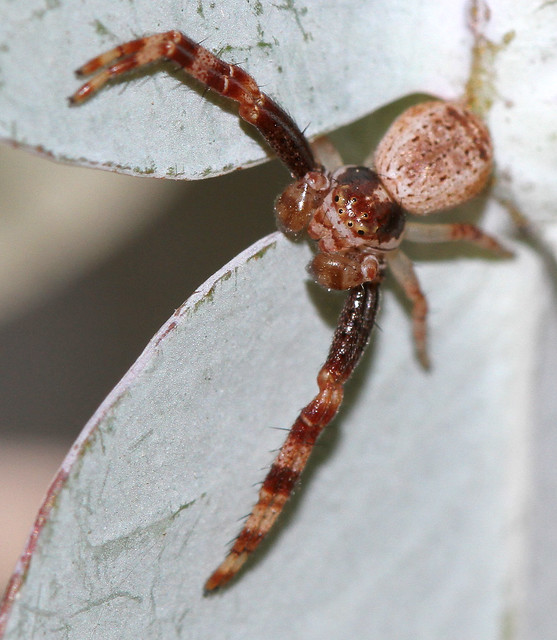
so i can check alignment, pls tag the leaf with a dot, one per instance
(160, 475)
(288, 49)
(410, 521)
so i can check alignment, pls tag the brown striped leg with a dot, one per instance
(349, 341)
(277, 127)
(403, 271)
(416, 232)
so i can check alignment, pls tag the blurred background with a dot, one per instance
(91, 265)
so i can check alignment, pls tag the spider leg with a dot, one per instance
(277, 127)
(327, 154)
(403, 271)
(350, 339)
(117, 53)
(416, 232)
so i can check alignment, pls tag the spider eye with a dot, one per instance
(350, 223)
(361, 232)
(341, 210)
(337, 198)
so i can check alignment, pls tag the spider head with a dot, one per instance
(358, 212)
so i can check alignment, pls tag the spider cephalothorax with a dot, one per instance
(353, 218)
(357, 213)
(434, 156)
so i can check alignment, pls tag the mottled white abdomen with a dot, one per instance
(434, 156)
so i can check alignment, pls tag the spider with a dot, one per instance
(435, 156)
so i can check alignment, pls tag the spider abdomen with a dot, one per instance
(434, 156)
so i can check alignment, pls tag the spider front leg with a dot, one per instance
(350, 339)
(277, 127)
